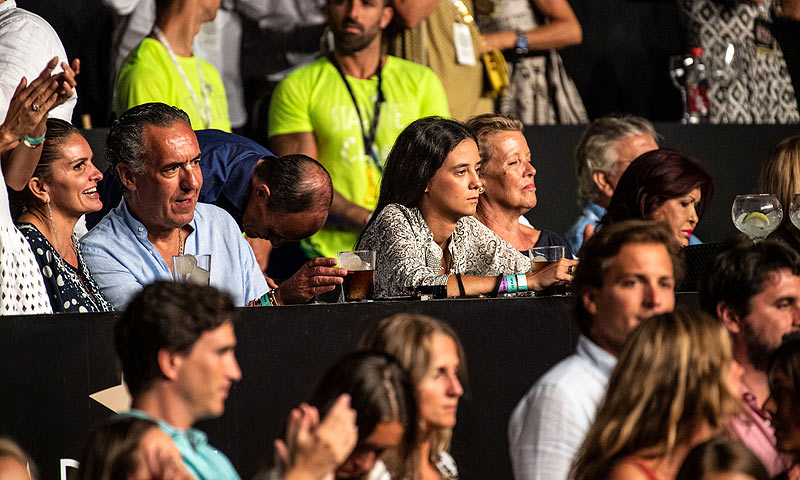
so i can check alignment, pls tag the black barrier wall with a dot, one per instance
(51, 364)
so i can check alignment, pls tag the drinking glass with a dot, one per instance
(359, 283)
(677, 73)
(756, 215)
(544, 256)
(794, 210)
(725, 67)
(192, 268)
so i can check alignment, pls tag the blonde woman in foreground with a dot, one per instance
(431, 353)
(674, 387)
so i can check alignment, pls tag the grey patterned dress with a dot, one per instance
(762, 91)
(407, 255)
(540, 90)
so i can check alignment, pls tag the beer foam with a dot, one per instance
(351, 261)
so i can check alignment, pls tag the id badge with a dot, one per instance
(465, 54)
(762, 36)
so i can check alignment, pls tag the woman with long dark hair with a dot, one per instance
(663, 185)
(423, 228)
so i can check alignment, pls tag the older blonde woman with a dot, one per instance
(508, 174)
(780, 175)
(673, 388)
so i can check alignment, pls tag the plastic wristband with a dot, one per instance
(262, 301)
(512, 283)
(522, 283)
(503, 285)
(32, 142)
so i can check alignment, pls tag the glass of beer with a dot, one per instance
(359, 283)
(544, 256)
(192, 268)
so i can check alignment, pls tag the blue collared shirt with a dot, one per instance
(122, 260)
(592, 213)
(227, 163)
(549, 424)
(201, 459)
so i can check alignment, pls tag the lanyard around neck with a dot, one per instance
(368, 137)
(205, 107)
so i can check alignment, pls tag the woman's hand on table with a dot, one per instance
(560, 272)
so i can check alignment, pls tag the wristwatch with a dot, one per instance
(521, 46)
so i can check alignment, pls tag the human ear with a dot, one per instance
(386, 16)
(126, 177)
(729, 318)
(601, 181)
(589, 300)
(39, 189)
(169, 363)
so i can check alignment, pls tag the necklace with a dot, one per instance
(180, 242)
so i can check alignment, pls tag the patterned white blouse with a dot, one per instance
(407, 255)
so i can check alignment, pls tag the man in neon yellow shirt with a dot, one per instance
(163, 69)
(346, 111)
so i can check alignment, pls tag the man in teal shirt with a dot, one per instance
(176, 344)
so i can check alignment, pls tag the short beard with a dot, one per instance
(758, 352)
(348, 43)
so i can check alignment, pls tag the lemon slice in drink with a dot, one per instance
(756, 219)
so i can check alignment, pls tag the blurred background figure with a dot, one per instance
(164, 67)
(62, 189)
(784, 400)
(722, 459)
(507, 174)
(431, 352)
(663, 185)
(754, 291)
(382, 396)
(444, 36)
(130, 448)
(780, 175)
(675, 386)
(603, 153)
(761, 90)
(27, 43)
(14, 462)
(541, 91)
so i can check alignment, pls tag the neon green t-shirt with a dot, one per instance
(314, 98)
(148, 75)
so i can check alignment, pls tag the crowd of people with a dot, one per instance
(402, 156)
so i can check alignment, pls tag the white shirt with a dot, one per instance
(27, 43)
(549, 424)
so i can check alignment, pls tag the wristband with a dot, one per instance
(461, 291)
(503, 285)
(512, 283)
(33, 142)
(522, 283)
(496, 289)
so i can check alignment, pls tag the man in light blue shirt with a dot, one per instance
(155, 155)
(605, 150)
(628, 273)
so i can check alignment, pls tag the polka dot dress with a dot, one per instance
(70, 289)
(22, 291)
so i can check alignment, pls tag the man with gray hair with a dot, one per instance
(156, 156)
(605, 150)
